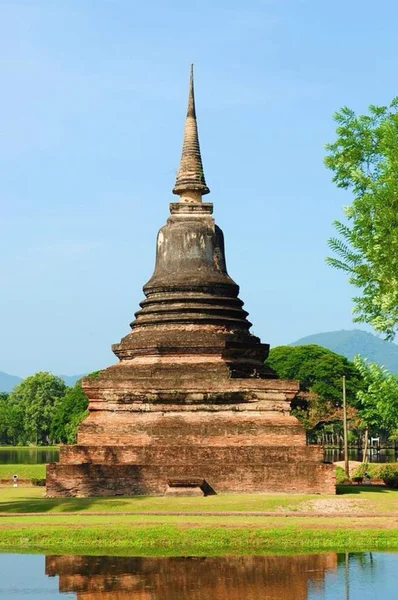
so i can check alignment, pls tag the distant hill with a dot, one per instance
(352, 342)
(8, 382)
(70, 379)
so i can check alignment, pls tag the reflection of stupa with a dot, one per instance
(221, 578)
(190, 407)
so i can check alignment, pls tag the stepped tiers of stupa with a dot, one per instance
(190, 407)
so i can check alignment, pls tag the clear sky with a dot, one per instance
(93, 99)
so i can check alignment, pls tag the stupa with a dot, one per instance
(190, 408)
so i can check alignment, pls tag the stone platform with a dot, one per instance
(239, 439)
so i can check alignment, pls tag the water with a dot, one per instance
(382, 456)
(28, 456)
(329, 576)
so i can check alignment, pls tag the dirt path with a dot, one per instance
(279, 514)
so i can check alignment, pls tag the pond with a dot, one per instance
(328, 576)
(28, 456)
(374, 456)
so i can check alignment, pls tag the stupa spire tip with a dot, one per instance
(190, 177)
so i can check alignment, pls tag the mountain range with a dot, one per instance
(8, 382)
(345, 342)
(354, 341)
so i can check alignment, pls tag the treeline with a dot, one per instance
(372, 394)
(42, 410)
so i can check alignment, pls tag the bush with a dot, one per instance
(389, 474)
(38, 482)
(359, 473)
(341, 477)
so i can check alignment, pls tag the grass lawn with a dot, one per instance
(23, 471)
(195, 530)
(351, 499)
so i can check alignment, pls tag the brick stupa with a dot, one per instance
(190, 407)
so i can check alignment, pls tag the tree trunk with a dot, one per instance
(365, 446)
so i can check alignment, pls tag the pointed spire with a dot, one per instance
(190, 176)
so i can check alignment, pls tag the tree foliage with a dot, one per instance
(42, 410)
(320, 372)
(378, 399)
(364, 160)
(3, 417)
(70, 411)
(32, 404)
(11, 421)
(318, 369)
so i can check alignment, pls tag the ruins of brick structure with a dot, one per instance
(190, 407)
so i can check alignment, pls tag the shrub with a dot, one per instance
(359, 472)
(341, 476)
(38, 482)
(389, 474)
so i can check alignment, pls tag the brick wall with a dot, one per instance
(90, 479)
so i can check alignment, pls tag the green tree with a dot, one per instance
(69, 413)
(3, 417)
(15, 425)
(35, 399)
(364, 160)
(11, 422)
(378, 400)
(320, 372)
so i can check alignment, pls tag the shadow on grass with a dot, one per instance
(358, 489)
(43, 505)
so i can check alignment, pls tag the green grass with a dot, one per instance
(375, 500)
(23, 471)
(170, 539)
(83, 532)
(26, 499)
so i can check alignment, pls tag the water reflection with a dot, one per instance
(220, 578)
(351, 576)
(28, 456)
(15, 456)
(374, 456)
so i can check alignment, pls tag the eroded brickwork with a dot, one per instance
(191, 396)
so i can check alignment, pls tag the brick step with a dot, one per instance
(128, 454)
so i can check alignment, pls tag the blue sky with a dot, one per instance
(93, 100)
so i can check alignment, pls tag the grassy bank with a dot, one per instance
(199, 526)
(149, 539)
(23, 471)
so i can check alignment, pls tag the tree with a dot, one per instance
(318, 369)
(364, 160)
(320, 372)
(35, 399)
(3, 417)
(69, 413)
(11, 423)
(379, 397)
